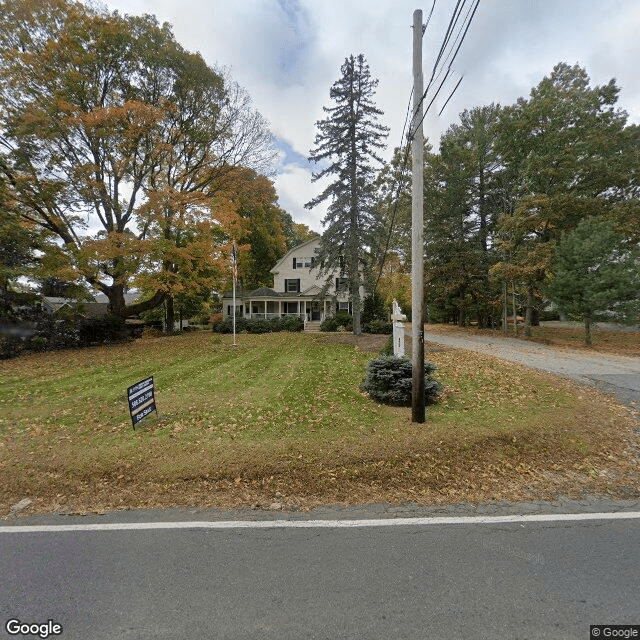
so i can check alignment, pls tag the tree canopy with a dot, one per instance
(123, 146)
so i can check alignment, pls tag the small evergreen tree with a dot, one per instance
(347, 141)
(389, 380)
(594, 272)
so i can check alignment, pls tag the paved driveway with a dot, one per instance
(619, 375)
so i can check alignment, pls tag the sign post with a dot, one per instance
(142, 400)
(398, 318)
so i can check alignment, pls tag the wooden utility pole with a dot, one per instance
(417, 233)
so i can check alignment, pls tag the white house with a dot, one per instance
(298, 289)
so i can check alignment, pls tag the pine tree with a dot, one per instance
(348, 140)
(594, 271)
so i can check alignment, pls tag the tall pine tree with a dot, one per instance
(346, 145)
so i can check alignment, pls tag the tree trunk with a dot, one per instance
(587, 330)
(170, 316)
(513, 302)
(117, 305)
(529, 312)
(504, 308)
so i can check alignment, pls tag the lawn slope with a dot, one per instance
(281, 418)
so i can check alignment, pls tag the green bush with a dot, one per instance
(334, 323)
(329, 324)
(378, 326)
(226, 325)
(276, 324)
(258, 325)
(389, 380)
(292, 323)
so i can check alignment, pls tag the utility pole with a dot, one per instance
(417, 233)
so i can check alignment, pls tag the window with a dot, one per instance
(292, 285)
(341, 284)
(297, 263)
(343, 306)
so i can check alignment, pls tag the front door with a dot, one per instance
(315, 311)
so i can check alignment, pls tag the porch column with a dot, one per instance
(280, 308)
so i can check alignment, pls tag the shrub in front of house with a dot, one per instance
(378, 326)
(226, 325)
(389, 380)
(329, 324)
(258, 325)
(341, 321)
(292, 323)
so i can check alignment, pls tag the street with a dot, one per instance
(472, 579)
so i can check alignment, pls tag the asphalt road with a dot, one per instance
(617, 375)
(517, 580)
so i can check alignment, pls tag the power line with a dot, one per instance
(435, 75)
(467, 21)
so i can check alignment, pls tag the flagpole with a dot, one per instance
(234, 271)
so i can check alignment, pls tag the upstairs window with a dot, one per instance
(341, 284)
(298, 263)
(292, 285)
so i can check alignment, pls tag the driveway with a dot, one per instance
(618, 375)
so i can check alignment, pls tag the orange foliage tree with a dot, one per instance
(124, 146)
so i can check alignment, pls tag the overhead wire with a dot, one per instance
(468, 20)
(435, 75)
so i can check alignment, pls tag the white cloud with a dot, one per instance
(288, 53)
(295, 188)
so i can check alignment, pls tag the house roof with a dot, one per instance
(263, 291)
(129, 298)
(53, 304)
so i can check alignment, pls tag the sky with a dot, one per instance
(288, 53)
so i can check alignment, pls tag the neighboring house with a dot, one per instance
(97, 308)
(298, 289)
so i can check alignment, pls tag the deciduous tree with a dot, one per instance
(120, 143)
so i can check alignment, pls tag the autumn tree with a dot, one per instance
(118, 142)
(347, 145)
(568, 156)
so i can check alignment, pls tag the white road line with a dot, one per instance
(324, 524)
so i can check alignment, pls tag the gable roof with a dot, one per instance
(292, 252)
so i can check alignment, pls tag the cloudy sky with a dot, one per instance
(287, 54)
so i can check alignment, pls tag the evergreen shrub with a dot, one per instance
(389, 380)
(258, 325)
(378, 326)
(292, 323)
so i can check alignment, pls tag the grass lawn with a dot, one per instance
(281, 417)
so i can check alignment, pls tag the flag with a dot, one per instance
(234, 262)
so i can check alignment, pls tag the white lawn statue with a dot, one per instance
(398, 319)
